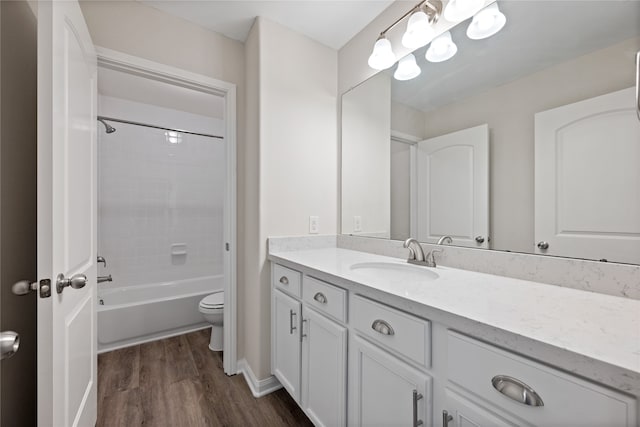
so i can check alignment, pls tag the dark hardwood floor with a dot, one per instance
(179, 382)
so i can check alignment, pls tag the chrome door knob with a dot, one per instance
(24, 287)
(479, 239)
(543, 245)
(9, 344)
(76, 281)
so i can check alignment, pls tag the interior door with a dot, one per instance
(453, 188)
(67, 231)
(587, 179)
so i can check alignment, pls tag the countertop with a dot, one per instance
(601, 332)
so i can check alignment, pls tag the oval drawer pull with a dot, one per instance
(284, 280)
(382, 327)
(516, 390)
(320, 298)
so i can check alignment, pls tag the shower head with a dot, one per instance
(107, 126)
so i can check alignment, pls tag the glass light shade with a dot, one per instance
(459, 10)
(419, 31)
(407, 68)
(382, 56)
(442, 48)
(486, 23)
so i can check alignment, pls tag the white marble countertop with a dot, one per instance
(594, 326)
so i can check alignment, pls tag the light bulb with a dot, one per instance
(407, 68)
(442, 48)
(486, 23)
(382, 56)
(418, 32)
(458, 10)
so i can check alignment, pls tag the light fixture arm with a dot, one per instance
(433, 9)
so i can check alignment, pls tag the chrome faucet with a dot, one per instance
(105, 279)
(416, 254)
(445, 239)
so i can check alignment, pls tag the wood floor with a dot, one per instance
(179, 382)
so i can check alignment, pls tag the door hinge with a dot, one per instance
(226, 247)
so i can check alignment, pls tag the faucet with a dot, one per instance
(445, 239)
(416, 254)
(105, 279)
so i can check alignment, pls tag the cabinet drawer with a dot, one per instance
(566, 400)
(403, 333)
(286, 279)
(325, 297)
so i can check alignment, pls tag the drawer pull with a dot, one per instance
(284, 280)
(383, 327)
(416, 396)
(320, 298)
(516, 390)
(292, 328)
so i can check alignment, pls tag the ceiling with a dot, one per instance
(537, 35)
(332, 23)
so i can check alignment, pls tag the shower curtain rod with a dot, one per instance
(128, 122)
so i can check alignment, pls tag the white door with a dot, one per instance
(587, 179)
(67, 233)
(324, 370)
(453, 188)
(381, 389)
(285, 342)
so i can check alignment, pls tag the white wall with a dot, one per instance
(293, 98)
(366, 160)
(158, 199)
(400, 190)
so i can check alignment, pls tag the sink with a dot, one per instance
(394, 271)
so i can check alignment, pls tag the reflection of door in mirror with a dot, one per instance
(587, 179)
(453, 188)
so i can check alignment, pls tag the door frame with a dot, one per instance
(119, 61)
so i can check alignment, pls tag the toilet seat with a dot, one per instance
(213, 301)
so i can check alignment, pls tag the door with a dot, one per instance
(285, 341)
(381, 389)
(324, 369)
(587, 180)
(453, 188)
(67, 233)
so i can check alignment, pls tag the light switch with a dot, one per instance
(314, 224)
(357, 224)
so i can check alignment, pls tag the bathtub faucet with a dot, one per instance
(105, 279)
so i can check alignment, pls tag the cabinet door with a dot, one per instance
(465, 413)
(381, 388)
(324, 373)
(285, 342)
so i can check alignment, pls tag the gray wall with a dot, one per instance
(18, 107)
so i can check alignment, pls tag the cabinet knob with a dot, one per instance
(543, 245)
(479, 239)
(382, 327)
(516, 390)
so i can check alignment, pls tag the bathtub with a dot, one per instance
(136, 314)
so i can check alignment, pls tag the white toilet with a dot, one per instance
(212, 308)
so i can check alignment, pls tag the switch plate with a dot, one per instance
(314, 224)
(357, 223)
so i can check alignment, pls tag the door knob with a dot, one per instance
(480, 239)
(24, 287)
(76, 281)
(9, 343)
(543, 245)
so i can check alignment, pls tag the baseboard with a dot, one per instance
(258, 387)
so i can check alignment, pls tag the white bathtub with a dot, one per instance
(136, 314)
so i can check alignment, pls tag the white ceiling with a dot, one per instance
(332, 23)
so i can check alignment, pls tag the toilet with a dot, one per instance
(212, 308)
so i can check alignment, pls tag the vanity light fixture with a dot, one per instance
(442, 48)
(173, 137)
(419, 33)
(459, 10)
(486, 23)
(407, 68)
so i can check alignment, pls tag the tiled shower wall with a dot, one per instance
(161, 195)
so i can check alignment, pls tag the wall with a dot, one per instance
(158, 199)
(18, 247)
(136, 29)
(511, 123)
(292, 82)
(400, 190)
(366, 155)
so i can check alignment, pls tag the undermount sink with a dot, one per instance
(394, 271)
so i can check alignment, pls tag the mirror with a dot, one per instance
(526, 141)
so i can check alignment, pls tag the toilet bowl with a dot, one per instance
(212, 308)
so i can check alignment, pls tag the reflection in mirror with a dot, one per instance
(552, 94)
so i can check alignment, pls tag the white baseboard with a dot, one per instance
(258, 387)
